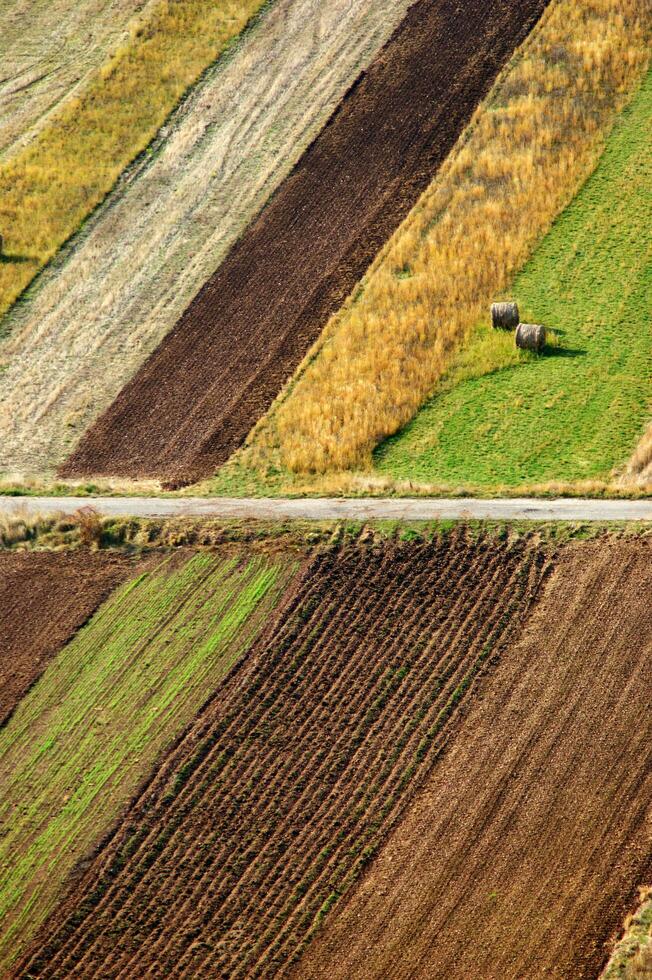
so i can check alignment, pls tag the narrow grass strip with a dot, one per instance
(90, 731)
(49, 187)
(527, 151)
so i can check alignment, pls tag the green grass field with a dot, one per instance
(89, 732)
(577, 411)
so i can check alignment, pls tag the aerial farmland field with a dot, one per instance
(189, 199)
(346, 195)
(325, 501)
(44, 64)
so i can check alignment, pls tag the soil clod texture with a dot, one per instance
(198, 395)
(279, 794)
(522, 852)
(45, 597)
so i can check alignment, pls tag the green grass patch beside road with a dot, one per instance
(577, 411)
(90, 731)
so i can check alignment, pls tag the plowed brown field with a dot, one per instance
(44, 598)
(524, 849)
(277, 797)
(199, 394)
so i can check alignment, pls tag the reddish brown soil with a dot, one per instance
(277, 797)
(196, 398)
(522, 852)
(44, 598)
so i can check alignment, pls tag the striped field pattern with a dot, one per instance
(280, 793)
(87, 735)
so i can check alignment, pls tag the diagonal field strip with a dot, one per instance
(124, 281)
(523, 851)
(47, 47)
(338, 508)
(576, 412)
(53, 183)
(402, 331)
(89, 732)
(197, 397)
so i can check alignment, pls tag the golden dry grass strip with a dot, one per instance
(525, 154)
(49, 187)
(639, 467)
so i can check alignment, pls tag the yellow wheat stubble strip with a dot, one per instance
(49, 187)
(528, 149)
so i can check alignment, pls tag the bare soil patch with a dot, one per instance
(199, 394)
(522, 853)
(279, 794)
(44, 599)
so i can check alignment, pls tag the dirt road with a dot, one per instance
(333, 508)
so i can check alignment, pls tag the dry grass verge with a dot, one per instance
(639, 468)
(49, 187)
(528, 149)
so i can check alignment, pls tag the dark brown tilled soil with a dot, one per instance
(521, 854)
(196, 398)
(278, 796)
(44, 598)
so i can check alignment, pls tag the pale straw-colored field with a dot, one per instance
(47, 48)
(639, 467)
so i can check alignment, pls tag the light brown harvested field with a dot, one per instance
(44, 598)
(47, 47)
(108, 300)
(523, 851)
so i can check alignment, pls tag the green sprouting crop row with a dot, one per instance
(114, 699)
(507, 418)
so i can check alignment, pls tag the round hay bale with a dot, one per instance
(531, 336)
(504, 316)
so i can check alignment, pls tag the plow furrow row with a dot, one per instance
(285, 786)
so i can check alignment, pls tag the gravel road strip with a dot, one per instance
(328, 509)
